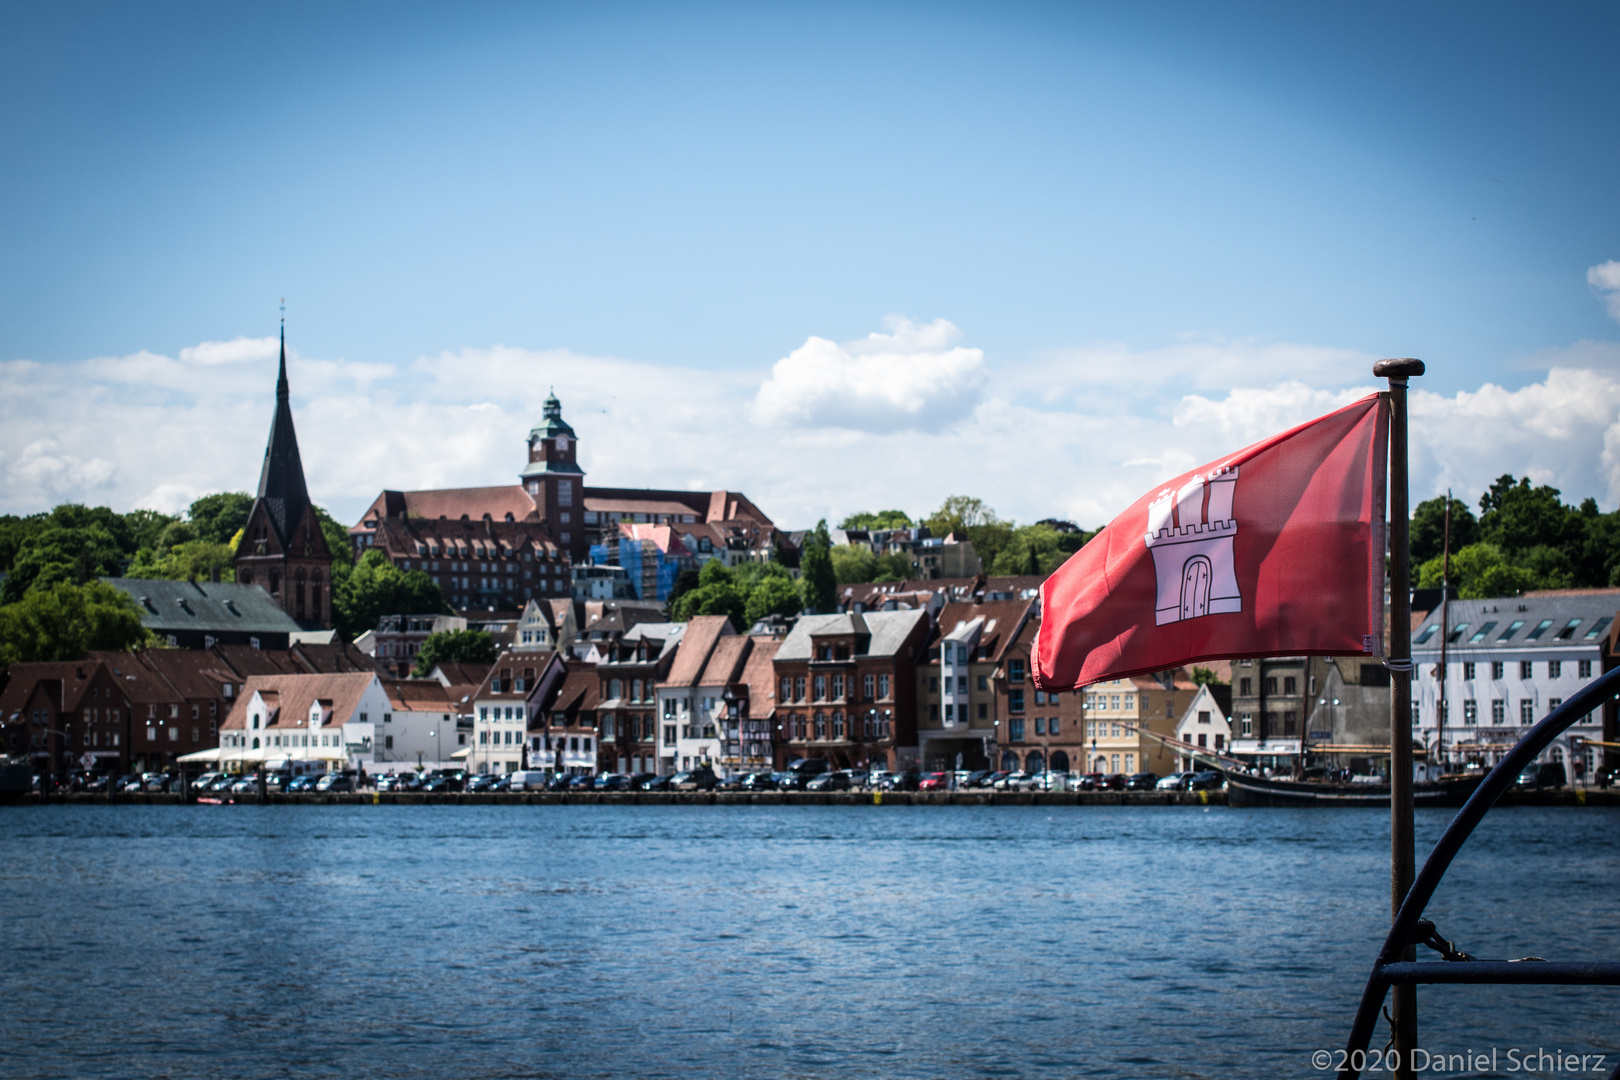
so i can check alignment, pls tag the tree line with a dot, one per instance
(1523, 538)
(53, 607)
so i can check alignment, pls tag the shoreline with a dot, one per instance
(1556, 797)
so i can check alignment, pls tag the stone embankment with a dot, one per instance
(1562, 797)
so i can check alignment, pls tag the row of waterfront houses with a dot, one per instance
(932, 672)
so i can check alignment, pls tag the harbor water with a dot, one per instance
(763, 941)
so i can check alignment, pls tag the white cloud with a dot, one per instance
(914, 377)
(1605, 278)
(149, 430)
(236, 351)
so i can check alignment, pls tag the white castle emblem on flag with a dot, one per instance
(1193, 555)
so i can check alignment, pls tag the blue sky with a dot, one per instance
(697, 193)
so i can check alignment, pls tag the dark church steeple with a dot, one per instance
(281, 481)
(283, 549)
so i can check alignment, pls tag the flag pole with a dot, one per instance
(1401, 859)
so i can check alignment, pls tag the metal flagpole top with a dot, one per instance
(1401, 367)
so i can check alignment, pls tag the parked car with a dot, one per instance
(760, 781)
(245, 784)
(1016, 781)
(903, 781)
(693, 780)
(733, 782)
(1052, 781)
(503, 782)
(528, 780)
(335, 781)
(976, 778)
(657, 783)
(804, 769)
(480, 782)
(1114, 782)
(1205, 780)
(202, 782)
(1142, 781)
(932, 781)
(640, 780)
(609, 781)
(1176, 781)
(581, 782)
(1546, 774)
(833, 781)
(308, 781)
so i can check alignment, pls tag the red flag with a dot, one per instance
(1276, 550)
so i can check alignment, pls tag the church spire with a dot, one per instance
(281, 380)
(281, 482)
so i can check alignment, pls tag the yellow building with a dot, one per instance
(1117, 713)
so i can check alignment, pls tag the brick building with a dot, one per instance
(960, 705)
(551, 493)
(847, 688)
(283, 549)
(628, 674)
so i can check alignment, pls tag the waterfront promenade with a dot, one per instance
(1568, 797)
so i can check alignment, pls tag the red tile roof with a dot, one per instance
(692, 655)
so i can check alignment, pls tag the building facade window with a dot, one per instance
(1470, 712)
(1526, 669)
(1555, 669)
(1527, 712)
(1015, 729)
(1468, 669)
(1498, 669)
(1583, 669)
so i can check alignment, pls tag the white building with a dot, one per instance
(294, 721)
(505, 704)
(1205, 724)
(1510, 662)
(419, 729)
(690, 714)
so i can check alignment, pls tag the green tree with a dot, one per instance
(217, 518)
(1429, 527)
(77, 516)
(1519, 516)
(376, 588)
(853, 563)
(146, 526)
(881, 519)
(776, 594)
(1479, 572)
(816, 571)
(455, 647)
(197, 560)
(62, 620)
(1035, 550)
(971, 518)
(1203, 676)
(57, 553)
(687, 580)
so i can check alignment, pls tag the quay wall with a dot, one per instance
(1563, 797)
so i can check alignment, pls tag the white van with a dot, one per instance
(533, 778)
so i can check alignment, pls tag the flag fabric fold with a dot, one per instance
(1275, 550)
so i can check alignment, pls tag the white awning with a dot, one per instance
(199, 756)
(461, 755)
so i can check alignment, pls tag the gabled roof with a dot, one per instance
(455, 673)
(663, 537)
(1001, 622)
(73, 675)
(726, 661)
(760, 677)
(889, 630)
(452, 503)
(206, 607)
(580, 691)
(144, 682)
(294, 696)
(515, 662)
(702, 632)
(418, 695)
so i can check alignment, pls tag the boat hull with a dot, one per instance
(1245, 790)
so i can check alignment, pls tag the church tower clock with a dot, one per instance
(283, 550)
